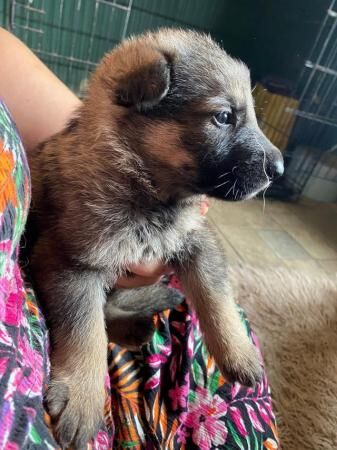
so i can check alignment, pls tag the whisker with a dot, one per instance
(236, 180)
(233, 187)
(222, 184)
(224, 174)
(229, 190)
(264, 199)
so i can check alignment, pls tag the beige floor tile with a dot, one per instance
(256, 236)
(310, 237)
(277, 207)
(314, 243)
(284, 245)
(249, 213)
(288, 219)
(322, 215)
(320, 218)
(248, 244)
(329, 267)
(317, 216)
(258, 215)
(230, 253)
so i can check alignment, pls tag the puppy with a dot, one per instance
(169, 116)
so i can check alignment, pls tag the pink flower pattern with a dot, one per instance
(204, 417)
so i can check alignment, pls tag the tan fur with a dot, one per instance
(167, 136)
(295, 317)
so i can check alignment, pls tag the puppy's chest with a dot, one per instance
(158, 237)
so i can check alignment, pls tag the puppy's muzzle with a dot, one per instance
(257, 163)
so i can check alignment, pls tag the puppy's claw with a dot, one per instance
(57, 397)
(77, 413)
(247, 376)
(242, 365)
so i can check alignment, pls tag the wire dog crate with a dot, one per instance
(312, 152)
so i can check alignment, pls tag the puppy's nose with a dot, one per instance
(278, 168)
(275, 168)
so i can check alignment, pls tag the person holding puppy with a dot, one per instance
(195, 407)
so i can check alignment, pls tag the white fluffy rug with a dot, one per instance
(295, 318)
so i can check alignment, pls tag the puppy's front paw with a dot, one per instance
(242, 364)
(76, 411)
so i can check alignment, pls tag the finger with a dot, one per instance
(136, 281)
(204, 206)
(153, 269)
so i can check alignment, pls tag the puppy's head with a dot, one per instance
(185, 106)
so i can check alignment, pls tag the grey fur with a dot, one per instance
(129, 313)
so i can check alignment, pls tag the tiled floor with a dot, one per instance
(297, 235)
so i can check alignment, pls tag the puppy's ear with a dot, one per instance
(140, 74)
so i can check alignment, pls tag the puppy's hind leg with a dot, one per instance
(129, 313)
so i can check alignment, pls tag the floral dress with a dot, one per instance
(170, 395)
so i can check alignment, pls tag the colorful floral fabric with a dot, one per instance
(23, 338)
(168, 396)
(172, 396)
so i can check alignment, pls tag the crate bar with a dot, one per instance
(93, 29)
(312, 116)
(319, 68)
(317, 40)
(67, 58)
(324, 71)
(331, 87)
(114, 5)
(57, 33)
(320, 56)
(28, 28)
(72, 47)
(30, 8)
(127, 19)
(330, 90)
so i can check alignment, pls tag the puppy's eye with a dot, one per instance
(224, 118)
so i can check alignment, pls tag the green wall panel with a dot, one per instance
(71, 35)
(272, 36)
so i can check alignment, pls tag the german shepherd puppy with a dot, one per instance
(168, 116)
